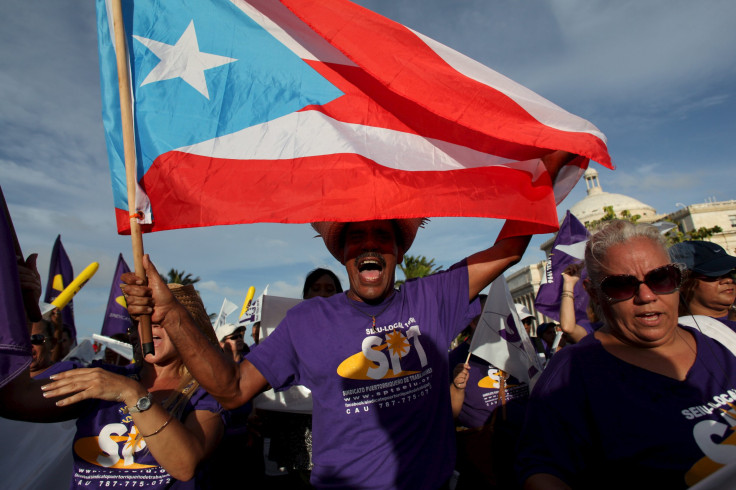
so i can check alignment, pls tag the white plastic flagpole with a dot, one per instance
(126, 116)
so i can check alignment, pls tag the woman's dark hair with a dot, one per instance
(315, 275)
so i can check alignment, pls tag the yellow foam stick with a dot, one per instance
(248, 299)
(73, 288)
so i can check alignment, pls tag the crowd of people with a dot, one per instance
(634, 397)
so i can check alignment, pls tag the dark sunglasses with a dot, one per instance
(235, 336)
(38, 339)
(662, 280)
(701, 277)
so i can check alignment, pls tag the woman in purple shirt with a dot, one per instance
(641, 403)
(148, 424)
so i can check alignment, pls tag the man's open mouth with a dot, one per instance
(370, 265)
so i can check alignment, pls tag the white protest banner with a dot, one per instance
(296, 399)
(500, 337)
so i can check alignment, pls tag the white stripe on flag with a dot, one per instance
(312, 133)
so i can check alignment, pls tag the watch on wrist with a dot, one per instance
(141, 405)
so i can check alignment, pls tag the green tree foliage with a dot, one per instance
(181, 277)
(673, 236)
(417, 266)
(610, 216)
(702, 233)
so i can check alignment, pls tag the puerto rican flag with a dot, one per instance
(295, 111)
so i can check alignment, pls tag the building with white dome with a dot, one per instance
(592, 207)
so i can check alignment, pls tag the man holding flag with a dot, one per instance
(362, 127)
(374, 357)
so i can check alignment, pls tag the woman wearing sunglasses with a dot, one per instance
(146, 425)
(709, 287)
(641, 403)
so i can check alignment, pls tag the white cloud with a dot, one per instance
(285, 289)
(226, 292)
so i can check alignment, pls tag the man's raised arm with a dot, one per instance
(485, 266)
(230, 383)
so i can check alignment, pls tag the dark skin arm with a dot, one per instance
(484, 267)
(22, 399)
(232, 384)
(457, 388)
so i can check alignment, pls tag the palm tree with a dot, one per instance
(417, 266)
(181, 277)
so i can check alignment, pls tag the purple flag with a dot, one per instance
(568, 248)
(61, 275)
(117, 319)
(15, 341)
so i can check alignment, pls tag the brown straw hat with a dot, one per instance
(331, 232)
(189, 298)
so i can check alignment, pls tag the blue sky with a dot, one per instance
(658, 77)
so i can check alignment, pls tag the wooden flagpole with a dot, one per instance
(126, 112)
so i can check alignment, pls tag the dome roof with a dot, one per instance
(592, 206)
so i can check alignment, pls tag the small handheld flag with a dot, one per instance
(117, 319)
(61, 275)
(248, 299)
(568, 248)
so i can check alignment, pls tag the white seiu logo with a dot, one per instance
(111, 447)
(703, 433)
(394, 354)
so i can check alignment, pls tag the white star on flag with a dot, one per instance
(183, 60)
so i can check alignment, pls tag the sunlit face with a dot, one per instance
(647, 319)
(714, 295)
(370, 257)
(164, 349)
(324, 287)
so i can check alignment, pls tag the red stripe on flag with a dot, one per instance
(398, 59)
(385, 109)
(348, 187)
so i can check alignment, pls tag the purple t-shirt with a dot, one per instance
(482, 390)
(596, 421)
(382, 416)
(106, 452)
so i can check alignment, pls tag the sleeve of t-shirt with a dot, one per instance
(201, 400)
(451, 290)
(275, 357)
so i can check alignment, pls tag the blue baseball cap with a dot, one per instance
(703, 257)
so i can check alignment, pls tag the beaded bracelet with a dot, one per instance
(567, 294)
(160, 428)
